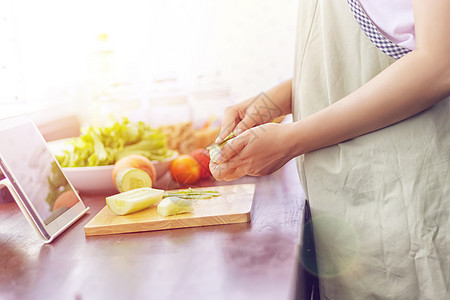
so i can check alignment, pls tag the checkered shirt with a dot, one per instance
(374, 34)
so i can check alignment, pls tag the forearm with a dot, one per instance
(281, 96)
(410, 85)
(273, 102)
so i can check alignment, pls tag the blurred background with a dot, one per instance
(156, 61)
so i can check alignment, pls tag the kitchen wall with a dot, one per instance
(224, 49)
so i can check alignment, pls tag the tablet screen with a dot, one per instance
(34, 172)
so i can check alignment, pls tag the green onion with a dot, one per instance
(191, 193)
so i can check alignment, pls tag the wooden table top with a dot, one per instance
(256, 260)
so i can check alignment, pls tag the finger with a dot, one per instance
(230, 119)
(234, 172)
(238, 162)
(232, 148)
(223, 172)
(246, 123)
(216, 171)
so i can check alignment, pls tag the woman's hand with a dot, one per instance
(257, 151)
(257, 110)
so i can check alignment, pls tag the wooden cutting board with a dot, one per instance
(232, 206)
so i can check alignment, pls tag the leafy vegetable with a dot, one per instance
(101, 146)
(191, 193)
(221, 143)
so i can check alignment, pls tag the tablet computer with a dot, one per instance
(35, 179)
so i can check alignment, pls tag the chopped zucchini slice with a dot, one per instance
(174, 206)
(133, 200)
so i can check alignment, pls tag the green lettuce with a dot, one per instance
(102, 146)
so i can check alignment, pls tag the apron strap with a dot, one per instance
(374, 34)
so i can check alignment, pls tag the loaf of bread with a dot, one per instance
(184, 138)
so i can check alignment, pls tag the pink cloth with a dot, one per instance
(394, 18)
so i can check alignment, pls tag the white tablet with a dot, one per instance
(35, 180)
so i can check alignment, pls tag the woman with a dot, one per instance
(371, 133)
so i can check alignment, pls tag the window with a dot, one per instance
(48, 46)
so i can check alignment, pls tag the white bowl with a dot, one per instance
(99, 179)
(95, 180)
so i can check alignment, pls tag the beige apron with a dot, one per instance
(380, 203)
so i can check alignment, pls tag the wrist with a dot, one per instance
(280, 97)
(293, 142)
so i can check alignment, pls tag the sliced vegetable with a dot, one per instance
(174, 205)
(134, 161)
(214, 149)
(134, 200)
(191, 193)
(132, 178)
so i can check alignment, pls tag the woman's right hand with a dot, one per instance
(255, 111)
(239, 117)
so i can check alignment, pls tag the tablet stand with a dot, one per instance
(5, 183)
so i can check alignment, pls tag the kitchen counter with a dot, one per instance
(255, 260)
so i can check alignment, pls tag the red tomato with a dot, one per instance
(202, 157)
(185, 169)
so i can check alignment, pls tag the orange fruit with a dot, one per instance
(185, 169)
(134, 161)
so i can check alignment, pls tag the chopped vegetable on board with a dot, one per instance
(191, 193)
(134, 200)
(174, 205)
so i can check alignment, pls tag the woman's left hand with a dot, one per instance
(258, 151)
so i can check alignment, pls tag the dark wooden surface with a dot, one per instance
(256, 260)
